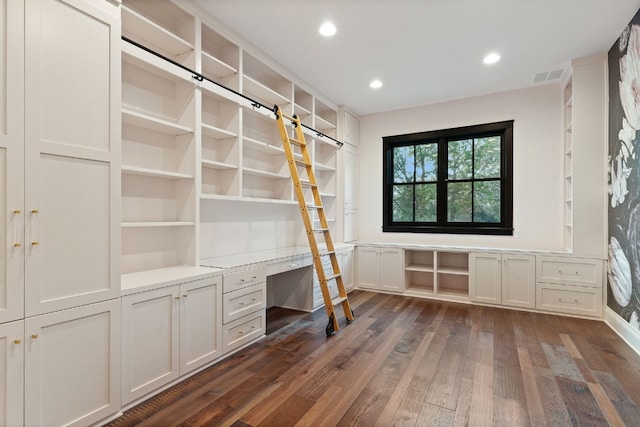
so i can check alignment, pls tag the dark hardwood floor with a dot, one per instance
(413, 362)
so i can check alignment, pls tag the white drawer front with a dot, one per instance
(241, 279)
(243, 330)
(243, 301)
(292, 264)
(569, 299)
(569, 271)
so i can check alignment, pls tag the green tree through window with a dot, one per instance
(449, 181)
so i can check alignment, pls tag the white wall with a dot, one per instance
(537, 165)
(231, 228)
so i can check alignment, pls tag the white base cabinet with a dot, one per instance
(346, 268)
(72, 365)
(570, 285)
(12, 378)
(168, 332)
(244, 308)
(504, 279)
(380, 268)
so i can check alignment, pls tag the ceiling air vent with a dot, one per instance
(548, 76)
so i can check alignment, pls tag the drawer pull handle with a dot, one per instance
(16, 342)
(575, 300)
(177, 297)
(34, 336)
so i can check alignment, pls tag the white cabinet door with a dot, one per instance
(507, 279)
(72, 152)
(72, 365)
(380, 268)
(519, 280)
(391, 269)
(11, 159)
(350, 226)
(368, 267)
(485, 278)
(347, 270)
(12, 378)
(200, 323)
(150, 340)
(350, 177)
(351, 129)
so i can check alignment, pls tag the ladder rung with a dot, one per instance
(320, 230)
(314, 207)
(326, 253)
(338, 300)
(301, 162)
(306, 183)
(331, 277)
(297, 142)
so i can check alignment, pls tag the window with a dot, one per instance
(450, 181)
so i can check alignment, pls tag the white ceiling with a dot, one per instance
(425, 51)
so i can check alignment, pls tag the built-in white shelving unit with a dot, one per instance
(159, 200)
(568, 164)
(188, 141)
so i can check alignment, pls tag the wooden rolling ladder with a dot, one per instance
(303, 160)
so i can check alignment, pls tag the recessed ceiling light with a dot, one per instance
(491, 58)
(327, 29)
(375, 84)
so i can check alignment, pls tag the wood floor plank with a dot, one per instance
(481, 407)
(526, 324)
(606, 406)
(288, 413)
(532, 396)
(436, 416)
(582, 406)
(321, 405)
(463, 409)
(625, 405)
(445, 384)
(353, 382)
(555, 409)
(509, 412)
(402, 388)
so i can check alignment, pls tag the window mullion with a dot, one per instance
(442, 182)
(473, 180)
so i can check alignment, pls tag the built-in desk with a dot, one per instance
(288, 274)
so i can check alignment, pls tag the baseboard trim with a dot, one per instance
(621, 327)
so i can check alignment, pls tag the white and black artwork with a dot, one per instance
(623, 273)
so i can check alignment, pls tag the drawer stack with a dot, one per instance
(244, 299)
(318, 300)
(569, 285)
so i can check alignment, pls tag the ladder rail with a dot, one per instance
(306, 164)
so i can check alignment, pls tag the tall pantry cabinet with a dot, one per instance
(11, 207)
(59, 309)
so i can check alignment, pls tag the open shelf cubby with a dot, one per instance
(432, 272)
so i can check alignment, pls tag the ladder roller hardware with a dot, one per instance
(309, 182)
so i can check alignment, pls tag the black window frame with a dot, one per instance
(503, 129)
